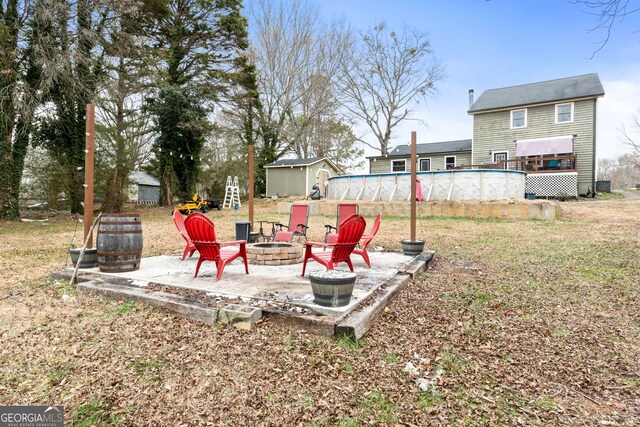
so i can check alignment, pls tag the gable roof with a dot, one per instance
(585, 86)
(430, 148)
(143, 178)
(301, 162)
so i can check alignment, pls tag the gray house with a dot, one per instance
(143, 188)
(547, 129)
(432, 156)
(296, 177)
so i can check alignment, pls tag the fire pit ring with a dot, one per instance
(274, 253)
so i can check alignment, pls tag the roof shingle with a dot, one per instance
(584, 86)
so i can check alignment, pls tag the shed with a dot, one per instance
(143, 188)
(296, 177)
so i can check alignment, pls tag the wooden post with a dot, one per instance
(413, 185)
(88, 175)
(251, 183)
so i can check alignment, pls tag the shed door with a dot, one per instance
(323, 178)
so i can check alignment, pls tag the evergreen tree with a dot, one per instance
(70, 60)
(196, 44)
(17, 102)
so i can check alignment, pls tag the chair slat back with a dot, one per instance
(178, 220)
(203, 235)
(349, 235)
(299, 215)
(376, 225)
(344, 211)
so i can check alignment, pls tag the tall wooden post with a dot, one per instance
(414, 161)
(251, 183)
(88, 173)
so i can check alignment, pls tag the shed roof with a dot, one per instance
(456, 146)
(301, 162)
(143, 178)
(585, 86)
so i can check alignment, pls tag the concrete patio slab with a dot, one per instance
(279, 291)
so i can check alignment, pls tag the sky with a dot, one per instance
(498, 43)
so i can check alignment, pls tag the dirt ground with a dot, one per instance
(516, 323)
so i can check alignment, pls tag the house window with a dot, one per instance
(398, 166)
(425, 165)
(519, 118)
(501, 156)
(564, 113)
(449, 162)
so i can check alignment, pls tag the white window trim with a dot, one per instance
(572, 115)
(455, 162)
(511, 119)
(493, 155)
(425, 158)
(400, 160)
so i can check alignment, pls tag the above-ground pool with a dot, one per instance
(466, 184)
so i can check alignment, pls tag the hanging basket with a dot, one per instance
(412, 247)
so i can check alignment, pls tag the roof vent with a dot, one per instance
(470, 97)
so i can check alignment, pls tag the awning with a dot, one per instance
(542, 146)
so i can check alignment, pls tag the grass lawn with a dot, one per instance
(516, 323)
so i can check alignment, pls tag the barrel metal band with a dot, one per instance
(118, 253)
(120, 232)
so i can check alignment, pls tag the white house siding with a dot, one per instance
(437, 161)
(492, 132)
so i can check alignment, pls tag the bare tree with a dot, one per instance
(384, 75)
(296, 56)
(607, 13)
(631, 137)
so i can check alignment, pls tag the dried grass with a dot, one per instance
(530, 323)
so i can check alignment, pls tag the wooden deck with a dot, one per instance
(540, 164)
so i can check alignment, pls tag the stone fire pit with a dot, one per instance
(274, 253)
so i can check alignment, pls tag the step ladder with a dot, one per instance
(231, 193)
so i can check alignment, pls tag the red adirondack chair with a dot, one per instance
(343, 211)
(203, 235)
(366, 239)
(178, 220)
(349, 234)
(298, 219)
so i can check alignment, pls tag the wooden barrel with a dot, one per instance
(332, 288)
(119, 242)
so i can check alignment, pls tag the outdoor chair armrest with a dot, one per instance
(278, 224)
(235, 242)
(304, 227)
(330, 227)
(319, 244)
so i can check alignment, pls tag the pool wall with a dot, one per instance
(451, 185)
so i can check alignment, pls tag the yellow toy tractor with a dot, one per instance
(195, 204)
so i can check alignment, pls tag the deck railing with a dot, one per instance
(539, 164)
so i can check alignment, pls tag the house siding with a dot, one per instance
(437, 161)
(492, 132)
